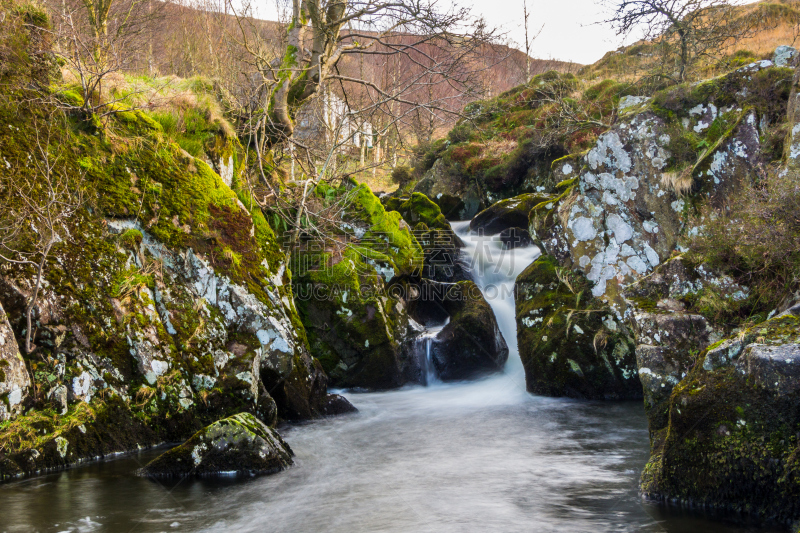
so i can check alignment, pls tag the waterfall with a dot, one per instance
(494, 269)
(423, 351)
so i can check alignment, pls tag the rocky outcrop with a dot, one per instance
(730, 441)
(458, 197)
(165, 307)
(470, 345)
(359, 332)
(14, 379)
(570, 343)
(240, 444)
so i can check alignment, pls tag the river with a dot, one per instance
(484, 456)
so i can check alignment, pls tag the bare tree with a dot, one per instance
(99, 38)
(685, 30)
(529, 38)
(35, 208)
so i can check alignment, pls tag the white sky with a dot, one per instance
(569, 31)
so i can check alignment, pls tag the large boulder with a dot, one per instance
(626, 207)
(14, 379)
(432, 231)
(731, 438)
(506, 214)
(239, 444)
(470, 345)
(360, 334)
(570, 343)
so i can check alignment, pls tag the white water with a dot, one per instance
(476, 457)
(494, 270)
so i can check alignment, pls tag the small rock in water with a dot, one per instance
(338, 405)
(240, 444)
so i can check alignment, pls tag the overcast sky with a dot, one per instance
(569, 31)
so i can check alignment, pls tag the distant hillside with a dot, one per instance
(778, 24)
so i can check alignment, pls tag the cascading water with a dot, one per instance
(494, 269)
(423, 350)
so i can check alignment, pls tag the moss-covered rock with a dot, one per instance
(731, 441)
(166, 305)
(505, 214)
(470, 345)
(432, 231)
(571, 344)
(355, 328)
(240, 444)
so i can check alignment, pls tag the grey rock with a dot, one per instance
(775, 368)
(14, 380)
(239, 444)
(784, 56)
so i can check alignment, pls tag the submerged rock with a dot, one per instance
(337, 404)
(471, 343)
(239, 444)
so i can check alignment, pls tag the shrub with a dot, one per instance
(757, 242)
(402, 175)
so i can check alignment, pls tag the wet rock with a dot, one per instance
(471, 344)
(338, 405)
(731, 440)
(570, 343)
(515, 238)
(239, 444)
(505, 214)
(14, 380)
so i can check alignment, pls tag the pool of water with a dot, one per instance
(483, 456)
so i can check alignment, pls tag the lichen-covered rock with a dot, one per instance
(668, 344)
(470, 345)
(571, 344)
(14, 379)
(731, 441)
(505, 214)
(625, 214)
(239, 444)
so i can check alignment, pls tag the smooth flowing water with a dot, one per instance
(484, 456)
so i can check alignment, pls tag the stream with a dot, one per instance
(483, 456)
